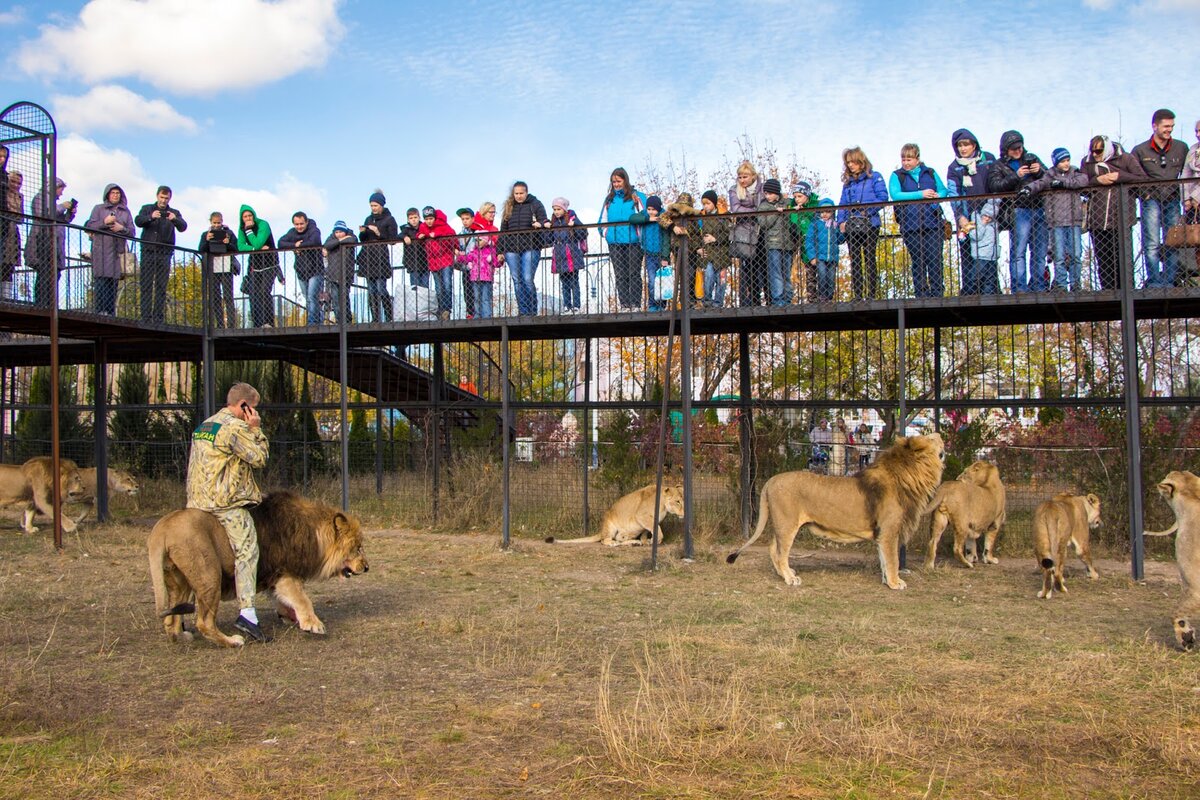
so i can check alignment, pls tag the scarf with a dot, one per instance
(972, 164)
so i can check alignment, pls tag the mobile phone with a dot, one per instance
(245, 408)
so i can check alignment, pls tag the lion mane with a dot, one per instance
(883, 502)
(298, 540)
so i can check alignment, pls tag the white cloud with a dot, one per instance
(117, 108)
(14, 16)
(184, 46)
(87, 167)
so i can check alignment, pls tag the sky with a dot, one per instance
(313, 104)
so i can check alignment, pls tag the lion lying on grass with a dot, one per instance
(298, 540)
(974, 504)
(633, 515)
(29, 486)
(883, 502)
(1181, 490)
(119, 482)
(1062, 520)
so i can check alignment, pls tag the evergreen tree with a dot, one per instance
(361, 439)
(130, 427)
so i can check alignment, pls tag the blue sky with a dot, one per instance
(311, 104)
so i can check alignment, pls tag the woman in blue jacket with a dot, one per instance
(922, 225)
(624, 209)
(861, 184)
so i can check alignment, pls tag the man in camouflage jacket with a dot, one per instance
(226, 448)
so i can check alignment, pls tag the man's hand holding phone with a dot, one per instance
(250, 415)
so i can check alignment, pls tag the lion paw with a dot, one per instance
(991, 560)
(899, 584)
(792, 580)
(315, 626)
(1043, 594)
(1093, 574)
(237, 640)
(1185, 634)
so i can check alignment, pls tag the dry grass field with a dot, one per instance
(455, 669)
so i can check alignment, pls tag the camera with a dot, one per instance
(1029, 159)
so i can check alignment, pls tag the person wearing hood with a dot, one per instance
(861, 184)
(262, 266)
(921, 224)
(1106, 165)
(376, 234)
(1162, 158)
(1017, 168)
(1064, 217)
(112, 225)
(46, 246)
(309, 263)
(441, 247)
(481, 259)
(339, 252)
(159, 223)
(967, 176)
(525, 215)
(822, 249)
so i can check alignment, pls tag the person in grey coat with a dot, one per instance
(46, 247)
(340, 254)
(1063, 207)
(113, 228)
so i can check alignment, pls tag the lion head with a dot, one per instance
(912, 469)
(981, 473)
(345, 554)
(72, 481)
(672, 500)
(122, 482)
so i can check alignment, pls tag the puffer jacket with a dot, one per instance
(1103, 209)
(617, 211)
(866, 188)
(339, 265)
(1063, 203)
(441, 243)
(374, 257)
(520, 221)
(774, 226)
(1003, 177)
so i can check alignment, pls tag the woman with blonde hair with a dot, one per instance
(745, 196)
(861, 184)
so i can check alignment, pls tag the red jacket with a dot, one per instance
(439, 251)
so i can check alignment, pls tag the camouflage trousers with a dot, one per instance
(239, 527)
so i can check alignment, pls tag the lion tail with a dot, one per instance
(939, 497)
(156, 551)
(1173, 529)
(581, 540)
(764, 513)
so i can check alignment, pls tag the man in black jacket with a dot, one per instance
(158, 222)
(310, 263)
(1015, 169)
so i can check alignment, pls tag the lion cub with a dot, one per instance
(974, 503)
(631, 516)
(1064, 519)
(1181, 490)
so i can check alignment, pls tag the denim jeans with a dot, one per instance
(312, 288)
(523, 267)
(443, 284)
(105, 291)
(339, 301)
(569, 282)
(714, 287)
(779, 277)
(1029, 233)
(378, 300)
(1158, 215)
(826, 279)
(418, 277)
(1068, 249)
(980, 277)
(483, 298)
(924, 247)
(653, 262)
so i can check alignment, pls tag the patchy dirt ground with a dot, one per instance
(457, 669)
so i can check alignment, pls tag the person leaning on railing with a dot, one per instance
(568, 242)
(112, 227)
(1016, 168)
(921, 224)
(745, 196)
(777, 241)
(46, 247)
(625, 208)
(441, 247)
(803, 197)
(376, 234)
(262, 266)
(966, 176)
(1162, 158)
(861, 184)
(1064, 217)
(339, 252)
(525, 215)
(1105, 165)
(309, 263)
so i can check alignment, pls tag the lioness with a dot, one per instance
(298, 540)
(30, 485)
(1065, 518)
(882, 502)
(974, 503)
(631, 516)
(119, 482)
(1181, 490)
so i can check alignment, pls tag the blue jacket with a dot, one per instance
(910, 185)
(960, 182)
(655, 240)
(618, 211)
(823, 240)
(866, 188)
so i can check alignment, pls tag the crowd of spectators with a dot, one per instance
(773, 240)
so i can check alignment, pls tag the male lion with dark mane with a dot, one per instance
(298, 540)
(882, 502)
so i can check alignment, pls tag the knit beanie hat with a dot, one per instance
(561, 202)
(802, 187)
(711, 195)
(770, 186)
(1059, 154)
(341, 225)
(655, 202)
(377, 197)
(428, 211)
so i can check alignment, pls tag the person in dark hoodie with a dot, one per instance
(441, 247)
(310, 263)
(1105, 165)
(158, 222)
(376, 234)
(414, 251)
(113, 227)
(217, 244)
(340, 248)
(966, 176)
(1016, 169)
(262, 266)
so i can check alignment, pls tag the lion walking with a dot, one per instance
(883, 503)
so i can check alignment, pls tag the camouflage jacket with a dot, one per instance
(225, 450)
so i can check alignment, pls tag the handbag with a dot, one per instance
(1183, 236)
(858, 227)
(128, 263)
(947, 230)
